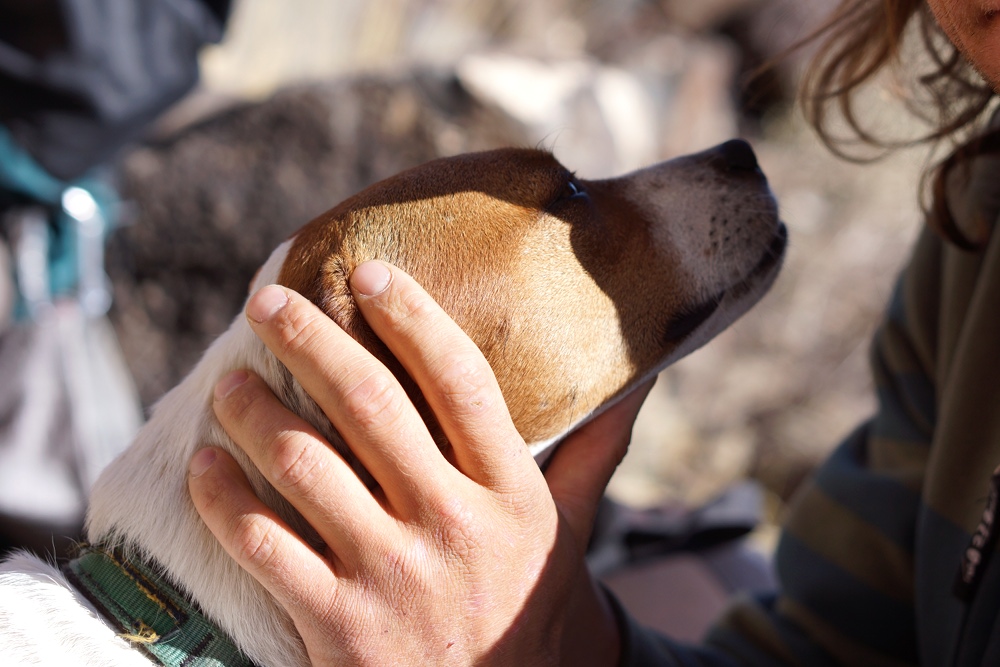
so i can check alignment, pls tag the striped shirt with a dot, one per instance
(885, 556)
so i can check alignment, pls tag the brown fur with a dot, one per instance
(466, 228)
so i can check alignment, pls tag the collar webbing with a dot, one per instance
(151, 613)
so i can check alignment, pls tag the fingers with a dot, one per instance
(452, 373)
(252, 534)
(299, 463)
(359, 395)
(582, 466)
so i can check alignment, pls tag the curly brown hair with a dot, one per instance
(863, 38)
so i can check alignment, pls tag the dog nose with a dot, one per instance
(738, 155)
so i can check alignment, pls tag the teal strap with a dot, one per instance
(22, 175)
(151, 613)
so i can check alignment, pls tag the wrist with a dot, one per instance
(591, 635)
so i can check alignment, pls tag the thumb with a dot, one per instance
(582, 466)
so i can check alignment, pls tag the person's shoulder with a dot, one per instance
(994, 122)
(973, 192)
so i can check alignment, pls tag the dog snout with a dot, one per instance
(738, 156)
(713, 210)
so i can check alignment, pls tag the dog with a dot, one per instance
(576, 291)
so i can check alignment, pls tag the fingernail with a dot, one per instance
(371, 278)
(202, 461)
(265, 303)
(228, 383)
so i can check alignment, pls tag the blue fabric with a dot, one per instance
(22, 175)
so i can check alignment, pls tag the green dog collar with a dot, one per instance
(151, 613)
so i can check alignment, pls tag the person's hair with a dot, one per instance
(860, 40)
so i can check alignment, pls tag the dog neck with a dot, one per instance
(140, 505)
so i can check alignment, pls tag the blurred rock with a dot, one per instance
(672, 97)
(707, 15)
(211, 201)
(599, 120)
(762, 33)
(704, 111)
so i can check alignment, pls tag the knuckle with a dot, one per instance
(410, 309)
(210, 496)
(406, 569)
(375, 401)
(295, 465)
(239, 404)
(467, 386)
(296, 329)
(410, 569)
(459, 529)
(254, 543)
(414, 304)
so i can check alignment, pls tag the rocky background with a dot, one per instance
(308, 101)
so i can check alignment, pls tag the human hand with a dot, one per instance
(476, 562)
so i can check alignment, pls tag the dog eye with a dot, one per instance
(572, 190)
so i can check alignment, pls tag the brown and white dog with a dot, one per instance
(576, 291)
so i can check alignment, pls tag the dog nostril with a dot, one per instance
(739, 155)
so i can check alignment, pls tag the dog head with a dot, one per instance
(575, 290)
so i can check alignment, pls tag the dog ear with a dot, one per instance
(328, 288)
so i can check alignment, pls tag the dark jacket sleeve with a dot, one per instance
(80, 78)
